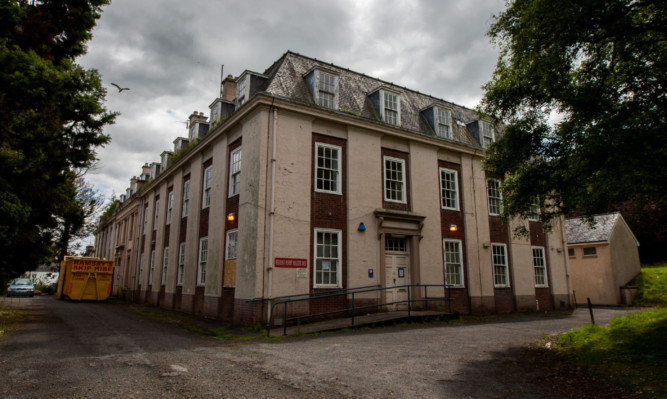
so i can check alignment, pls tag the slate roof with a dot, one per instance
(578, 231)
(286, 79)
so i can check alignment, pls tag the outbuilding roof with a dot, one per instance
(579, 231)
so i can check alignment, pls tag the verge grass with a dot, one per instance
(652, 284)
(9, 316)
(630, 353)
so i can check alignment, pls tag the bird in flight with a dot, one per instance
(120, 88)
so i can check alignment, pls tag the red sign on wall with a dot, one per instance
(291, 262)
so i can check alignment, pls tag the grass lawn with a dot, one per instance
(652, 285)
(631, 353)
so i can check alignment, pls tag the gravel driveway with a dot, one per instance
(93, 350)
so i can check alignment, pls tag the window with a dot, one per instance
(449, 192)
(443, 123)
(327, 258)
(328, 168)
(590, 251)
(232, 239)
(394, 180)
(143, 231)
(487, 134)
(235, 172)
(186, 198)
(151, 268)
(534, 213)
(141, 267)
(570, 252)
(163, 280)
(394, 244)
(241, 86)
(326, 90)
(181, 264)
(499, 254)
(453, 262)
(540, 267)
(203, 256)
(391, 108)
(495, 196)
(206, 193)
(170, 205)
(155, 217)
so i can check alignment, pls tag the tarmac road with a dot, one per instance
(98, 350)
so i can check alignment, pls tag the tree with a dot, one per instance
(580, 87)
(77, 218)
(51, 122)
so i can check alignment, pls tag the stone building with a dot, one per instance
(310, 177)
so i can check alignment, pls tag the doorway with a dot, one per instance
(397, 272)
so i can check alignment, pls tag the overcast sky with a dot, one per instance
(169, 53)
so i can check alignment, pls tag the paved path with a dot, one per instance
(95, 350)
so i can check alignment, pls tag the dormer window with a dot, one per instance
(242, 90)
(387, 105)
(487, 133)
(392, 108)
(326, 90)
(323, 86)
(443, 123)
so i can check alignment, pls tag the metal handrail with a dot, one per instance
(354, 308)
(310, 294)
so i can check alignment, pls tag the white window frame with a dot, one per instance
(181, 264)
(206, 187)
(242, 87)
(387, 105)
(336, 171)
(151, 268)
(320, 89)
(452, 262)
(571, 253)
(143, 231)
(235, 158)
(186, 198)
(534, 213)
(439, 122)
(141, 267)
(170, 206)
(203, 259)
(232, 244)
(496, 265)
(165, 261)
(401, 182)
(444, 189)
(543, 266)
(338, 259)
(486, 133)
(491, 199)
(157, 214)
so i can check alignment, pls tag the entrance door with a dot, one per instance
(397, 272)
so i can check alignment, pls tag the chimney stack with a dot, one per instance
(229, 88)
(197, 117)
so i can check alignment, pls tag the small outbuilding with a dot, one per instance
(603, 258)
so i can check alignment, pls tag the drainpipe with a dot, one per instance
(272, 210)
(565, 257)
